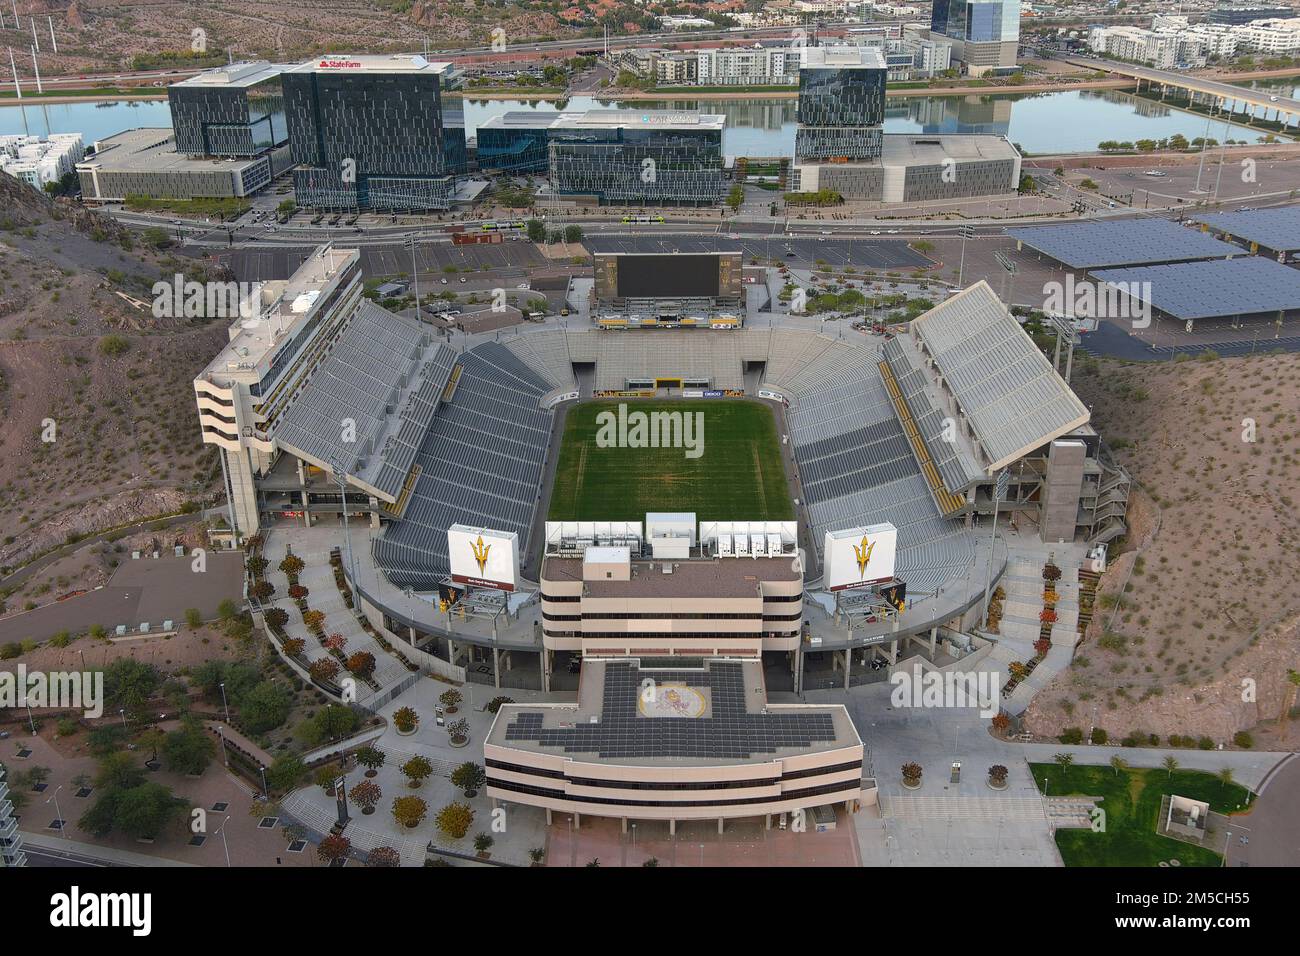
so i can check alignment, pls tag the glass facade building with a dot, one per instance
(515, 142)
(629, 156)
(232, 112)
(841, 103)
(977, 21)
(369, 132)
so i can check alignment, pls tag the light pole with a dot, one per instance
(122, 713)
(58, 814)
(999, 489)
(30, 722)
(266, 791)
(225, 706)
(224, 845)
(341, 477)
(415, 274)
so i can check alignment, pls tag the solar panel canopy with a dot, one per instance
(1095, 245)
(1202, 290)
(1276, 229)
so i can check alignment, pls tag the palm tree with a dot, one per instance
(1118, 763)
(1225, 776)
(1170, 764)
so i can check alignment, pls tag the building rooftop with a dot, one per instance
(154, 151)
(283, 306)
(841, 58)
(657, 119)
(930, 150)
(237, 75)
(701, 713)
(689, 578)
(376, 63)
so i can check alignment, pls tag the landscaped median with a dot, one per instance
(1131, 798)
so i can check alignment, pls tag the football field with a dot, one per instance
(719, 458)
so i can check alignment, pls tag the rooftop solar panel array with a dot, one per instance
(1249, 285)
(729, 732)
(481, 464)
(1094, 245)
(1007, 389)
(382, 377)
(1276, 229)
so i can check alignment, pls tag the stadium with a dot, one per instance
(731, 513)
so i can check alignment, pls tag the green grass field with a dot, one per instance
(737, 477)
(1131, 800)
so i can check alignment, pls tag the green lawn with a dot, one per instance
(1131, 800)
(737, 476)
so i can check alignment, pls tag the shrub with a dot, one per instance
(998, 773)
(912, 772)
(455, 820)
(1071, 735)
(113, 345)
(324, 669)
(1205, 743)
(417, 769)
(1243, 739)
(362, 663)
(496, 703)
(1098, 736)
(468, 776)
(406, 719)
(451, 699)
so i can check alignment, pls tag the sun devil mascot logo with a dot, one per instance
(481, 554)
(863, 553)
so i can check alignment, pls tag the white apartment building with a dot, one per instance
(744, 66)
(1278, 37)
(39, 161)
(11, 841)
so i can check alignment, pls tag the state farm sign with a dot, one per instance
(339, 65)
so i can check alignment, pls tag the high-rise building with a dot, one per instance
(985, 33)
(841, 103)
(374, 132)
(1232, 14)
(234, 111)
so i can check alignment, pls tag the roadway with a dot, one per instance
(1186, 81)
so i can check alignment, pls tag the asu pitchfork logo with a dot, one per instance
(481, 554)
(863, 553)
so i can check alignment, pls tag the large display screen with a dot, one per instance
(667, 276)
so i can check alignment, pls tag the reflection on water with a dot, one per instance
(1068, 121)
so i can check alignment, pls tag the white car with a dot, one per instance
(443, 281)
(875, 232)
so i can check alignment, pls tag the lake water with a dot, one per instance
(1068, 121)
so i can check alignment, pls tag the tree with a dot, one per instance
(333, 847)
(469, 776)
(285, 772)
(188, 749)
(336, 642)
(129, 683)
(417, 769)
(324, 669)
(118, 771)
(482, 843)
(451, 700)
(315, 620)
(1063, 760)
(276, 617)
(1118, 764)
(1170, 763)
(573, 234)
(362, 663)
(537, 854)
(496, 703)
(406, 719)
(652, 861)
(193, 617)
(410, 811)
(1288, 700)
(142, 811)
(1001, 721)
(536, 230)
(458, 730)
(366, 795)
(293, 646)
(292, 565)
(383, 856)
(998, 774)
(736, 197)
(1225, 776)
(372, 758)
(454, 820)
(912, 773)
(265, 707)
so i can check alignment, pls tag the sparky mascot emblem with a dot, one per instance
(481, 554)
(863, 553)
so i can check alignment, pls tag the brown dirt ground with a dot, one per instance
(1202, 601)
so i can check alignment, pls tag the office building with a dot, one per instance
(841, 104)
(145, 162)
(373, 132)
(1231, 14)
(235, 111)
(985, 34)
(655, 157)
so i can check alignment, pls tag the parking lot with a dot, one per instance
(879, 254)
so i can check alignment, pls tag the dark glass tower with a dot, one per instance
(841, 103)
(369, 132)
(234, 111)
